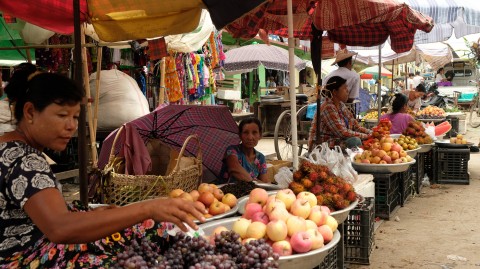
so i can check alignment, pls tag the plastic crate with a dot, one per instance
(384, 211)
(452, 166)
(358, 232)
(428, 164)
(330, 261)
(418, 172)
(386, 187)
(406, 185)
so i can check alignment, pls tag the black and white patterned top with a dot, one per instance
(23, 172)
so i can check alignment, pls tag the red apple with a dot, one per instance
(258, 196)
(195, 194)
(204, 187)
(206, 198)
(175, 193)
(277, 230)
(326, 209)
(260, 217)
(318, 216)
(273, 204)
(219, 230)
(296, 224)
(301, 207)
(251, 209)
(316, 237)
(216, 208)
(332, 222)
(186, 196)
(287, 196)
(326, 233)
(282, 248)
(279, 213)
(240, 226)
(218, 193)
(230, 200)
(310, 224)
(301, 242)
(256, 230)
(310, 197)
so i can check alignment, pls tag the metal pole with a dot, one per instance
(82, 136)
(379, 90)
(293, 94)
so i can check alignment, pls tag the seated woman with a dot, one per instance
(37, 228)
(243, 162)
(398, 115)
(415, 98)
(337, 124)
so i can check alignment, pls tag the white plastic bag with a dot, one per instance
(344, 167)
(430, 130)
(284, 177)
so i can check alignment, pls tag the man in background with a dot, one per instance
(344, 60)
(417, 79)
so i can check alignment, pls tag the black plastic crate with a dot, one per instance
(452, 166)
(429, 164)
(358, 232)
(406, 185)
(386, 187)
(418, 172)
(384, 211)
(330, 261)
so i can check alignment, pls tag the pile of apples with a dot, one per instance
(208, 196)
(431, 112)
(330, 190)
(290, 223)
(383, 151)
(416, 130)
(459, 139)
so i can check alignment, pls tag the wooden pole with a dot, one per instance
(29, 56)
(162, 82)
(86, 81)
(97, 96)
(82, 153)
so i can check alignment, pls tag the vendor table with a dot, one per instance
(267, 112)
(241, 116)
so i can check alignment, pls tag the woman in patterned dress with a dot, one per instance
(37, 228)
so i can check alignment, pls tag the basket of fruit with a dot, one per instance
(295, 252)
(409, 144)
(454, 142)
(431, 113)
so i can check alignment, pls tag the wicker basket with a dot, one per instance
(121, 189)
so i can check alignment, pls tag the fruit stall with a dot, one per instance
(325, 215)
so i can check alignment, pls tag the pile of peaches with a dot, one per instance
(290, 223)
(209, 196)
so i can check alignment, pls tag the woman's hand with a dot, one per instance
(177, 211)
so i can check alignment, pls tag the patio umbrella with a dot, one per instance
(117, 20)
(373, 70)
(172, 124)
(250, 57)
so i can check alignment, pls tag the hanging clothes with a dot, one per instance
(172, 83)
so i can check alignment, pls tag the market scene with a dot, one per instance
(317, 134)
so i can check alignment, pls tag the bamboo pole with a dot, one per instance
(29, 56)
(86, 81)
(162, 82)
(66, 46)
(97, 95)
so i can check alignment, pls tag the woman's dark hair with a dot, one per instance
(41, 90)
(399, 102)
(334, 83)
(248, 121)
(439, 70)
(421, 88)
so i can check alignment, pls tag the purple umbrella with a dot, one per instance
(172, 124)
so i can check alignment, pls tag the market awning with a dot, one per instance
(10, 38)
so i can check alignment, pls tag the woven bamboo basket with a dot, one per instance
(121, 189)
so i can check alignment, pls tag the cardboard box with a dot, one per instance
(274, 165)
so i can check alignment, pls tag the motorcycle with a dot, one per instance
(433, 97)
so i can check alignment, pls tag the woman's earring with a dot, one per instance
(30, 121)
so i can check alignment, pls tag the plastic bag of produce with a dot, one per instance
(345, 169)
(283, 177)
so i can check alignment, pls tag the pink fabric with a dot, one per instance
(137, 158)
(399, 122)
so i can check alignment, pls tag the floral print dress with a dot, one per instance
(24, 172)
(255, 168)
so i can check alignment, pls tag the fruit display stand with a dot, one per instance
(381, 168)
(387, 194)
(406, 185)
(418, 172)
(358, 232)
(451, 165)
(306, 260)
(330, 261)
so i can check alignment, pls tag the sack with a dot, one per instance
(121, 189)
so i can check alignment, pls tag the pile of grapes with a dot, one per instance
(196, 252)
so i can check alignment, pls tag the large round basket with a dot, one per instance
(310, 259)
(381, 168)
(121, 189)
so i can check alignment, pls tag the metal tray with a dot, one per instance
(229, 213)
(268, 186)
(425, 147)
(310, 259)
(431, 120)
(447, 144)
(381, 168)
